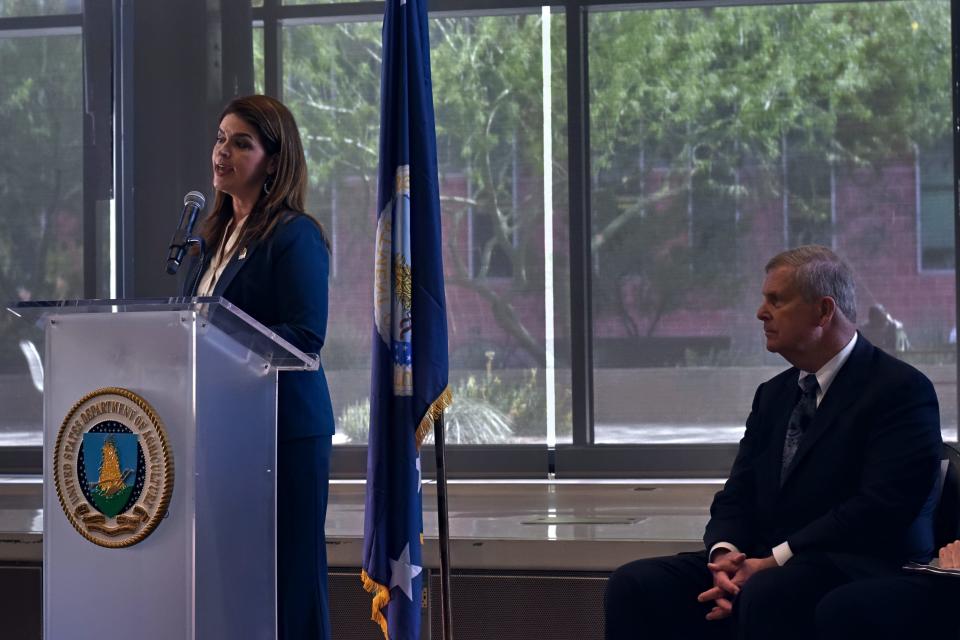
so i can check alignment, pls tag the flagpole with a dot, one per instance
(444, 539)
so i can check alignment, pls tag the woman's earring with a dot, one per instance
(267, 185)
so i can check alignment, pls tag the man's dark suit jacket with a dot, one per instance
(864, 468)
(282, 282)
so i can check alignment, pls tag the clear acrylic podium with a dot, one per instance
(208, 570)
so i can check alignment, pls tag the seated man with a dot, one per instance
(839, 454)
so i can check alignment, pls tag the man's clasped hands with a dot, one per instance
(730, 572)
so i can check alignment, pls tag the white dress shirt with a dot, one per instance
(224, 254)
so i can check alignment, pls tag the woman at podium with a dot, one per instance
(265, 255)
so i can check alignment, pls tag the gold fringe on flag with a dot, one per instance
(381, 594)
(381, 597)
(433, 414)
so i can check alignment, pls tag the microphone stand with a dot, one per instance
(191, 292)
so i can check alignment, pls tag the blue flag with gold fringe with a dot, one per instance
(409, 370)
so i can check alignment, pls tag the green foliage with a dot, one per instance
(332, 84)
(468, 421)
(487, 96)
(858, 79)
(488, 75)
(41, 186)
(21, 8)
(686, 103)
(40, 175)
(485, 410)
(354, 421)
(523, 401)
(474, 422)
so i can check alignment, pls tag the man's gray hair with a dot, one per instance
(820, 272)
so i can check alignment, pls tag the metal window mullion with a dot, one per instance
(123, 141)
(955, 87)
(97, 134)
(334, 11)
(235, 33)
(578, 140)
(330, 12)
(272, 49)
(31, 26)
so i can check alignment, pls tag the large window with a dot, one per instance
(611, 190)
(496, 103)
(41, 196)
(613, 178)
(722, 136)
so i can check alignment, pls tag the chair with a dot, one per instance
(946, 518)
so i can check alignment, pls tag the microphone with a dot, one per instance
(193, 204)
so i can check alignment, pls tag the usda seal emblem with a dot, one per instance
(112, 468)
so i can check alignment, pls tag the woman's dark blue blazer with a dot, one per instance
(282, 282)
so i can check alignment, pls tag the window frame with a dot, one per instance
(582, 457)
(579, 458)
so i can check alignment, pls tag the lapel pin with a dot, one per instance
(243, 254)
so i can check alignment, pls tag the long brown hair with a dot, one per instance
(277, 131)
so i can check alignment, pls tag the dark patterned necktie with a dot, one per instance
(799, 421)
